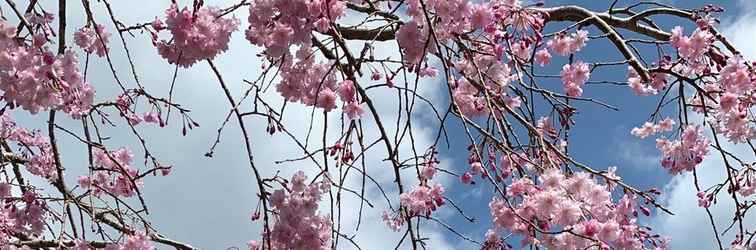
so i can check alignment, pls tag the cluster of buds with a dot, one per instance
(704, 200)
(273, 126)
(341, 153)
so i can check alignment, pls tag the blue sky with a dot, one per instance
(207, 201)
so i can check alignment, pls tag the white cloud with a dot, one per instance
(633, 151)
(740, 30)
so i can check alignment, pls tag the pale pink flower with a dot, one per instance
(353, 110)
(88, 39)
(543, 57)
(196, 35)
(481, 16)
(574, 77)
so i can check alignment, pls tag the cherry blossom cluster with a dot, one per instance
(298, 223)
(308, 82)
(658, 83)
(457, 16)
(423, 200)
(88, 39)
(26, 215)
(499, 172)
(738, 94)
(277, 25)
(564, 44)
(650, 128)
(35, 148)
(468, 99)
(704, 200)
(494, 242)
(42, 21)
(137, 241)
(574, 77)
(543, 57)
(692, 48)
(413, 39)
(427, 72)
(462, 16)
(125, 105)
(348, 96)
(36, 79)
(727, 98)
(685, 153)
(113, 174)
(303, 78)
(196, 35)
(520, 19)
(724, 98)
(521, 50)
(577, 212)
(497, 76)
(476, 167)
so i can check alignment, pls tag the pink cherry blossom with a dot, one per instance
(375, 76)
(481, 16)
(650, 128)
(347, 91)
(658, 83)
(422, 200)
(429, 166)
(564, 45)
(298, 223)
(196, 36)
(578, 203)
(278, 33)
(35, 148)
(138, 241)
(326, 99)
(543, 57)
(88, 39)
(703, 201)
(116, 176)
(151, 117)
(353, 110)
(412, 40)
(574, 77)
(36, 79)
(644, 131)
(466, 97)
(685, 153)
